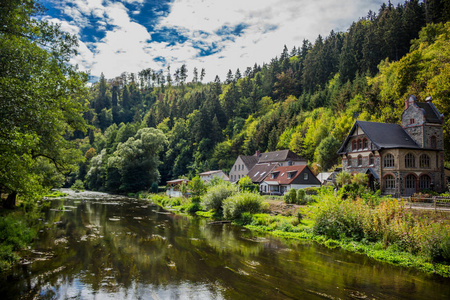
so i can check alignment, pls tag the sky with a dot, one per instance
(132, 35)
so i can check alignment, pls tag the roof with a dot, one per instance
(430, 112)
(281, 155)
(177, 181)
(324, 176)
(260, 171)
(383, 135)
(210, 173)
(249, 161)
(282, 176)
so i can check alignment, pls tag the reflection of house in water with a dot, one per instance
(402, 160)
(173, 187)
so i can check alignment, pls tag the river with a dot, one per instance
(98, 246)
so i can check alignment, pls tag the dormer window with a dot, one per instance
(290, 175)
(274, 175)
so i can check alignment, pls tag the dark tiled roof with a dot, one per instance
(431, 115)
(277, 156)
(385, 135)
(260, 171)
(249, 161)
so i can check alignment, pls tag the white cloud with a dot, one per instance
(270, 24)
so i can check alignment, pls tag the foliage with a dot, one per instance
(77, 186)
(197, 186)
(41, 99)
(215, 196)
(343, 178)
(291, 196)
(154, 187)
(15, 234)
(234, 206)
(246, 185)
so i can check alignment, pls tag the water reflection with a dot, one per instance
(124, 248)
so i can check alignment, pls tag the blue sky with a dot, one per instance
(131, 35)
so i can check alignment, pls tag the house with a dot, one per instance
(324, 177)
(208, 176)
(401, 160)
(173, 187)
(283, 178)
(242, 166)
(260, 171)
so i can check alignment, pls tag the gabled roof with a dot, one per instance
(282, 174)
(260, 171)
(431, 113)
(382, 135)
(210, 173)
(249, 161)
(281, 155)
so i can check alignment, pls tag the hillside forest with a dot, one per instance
(149, 127)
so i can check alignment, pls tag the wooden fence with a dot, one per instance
(427, 202)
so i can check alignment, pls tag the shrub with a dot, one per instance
(235, 205)
(301, 194)
(77, 186)
(154, 187)
(292, 196)
(216, 195)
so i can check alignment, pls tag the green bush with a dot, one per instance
(301, 196)
(154, 187)
(78, 185)
(15, 234)
(235, 205)
(216, 195)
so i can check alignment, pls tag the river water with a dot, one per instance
(98, 246)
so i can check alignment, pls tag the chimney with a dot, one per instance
(257, 153)
(409, 101)
(429, 100)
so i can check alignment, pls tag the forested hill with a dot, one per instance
(306, 99)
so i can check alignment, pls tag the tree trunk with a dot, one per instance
(10, 201)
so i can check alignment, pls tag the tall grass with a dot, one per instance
(389, 222)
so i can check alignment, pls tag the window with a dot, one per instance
(424, 182)
(235, 166)
(354, 145)
(433, 143)
(371, 159)
(410, 160)
(289, 163)
(424, 161)
(291, 175)
(388, 161)
(389, 182)
(360, 161)
(359, 144)
(366, 144)
(349, 160)
(411, 121)
(305, 176)
(410, 182)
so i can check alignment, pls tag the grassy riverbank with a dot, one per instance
(379, 227)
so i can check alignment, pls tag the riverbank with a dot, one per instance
(381, 228)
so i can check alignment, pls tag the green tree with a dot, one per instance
(41, 98)
(326, 153)
(138, 159)
(197, 186)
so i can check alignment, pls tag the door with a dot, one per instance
(410, 185)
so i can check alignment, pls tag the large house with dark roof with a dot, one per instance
(400, 160)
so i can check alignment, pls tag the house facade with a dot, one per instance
(283, 178)
(242, 166)
(400, 160)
